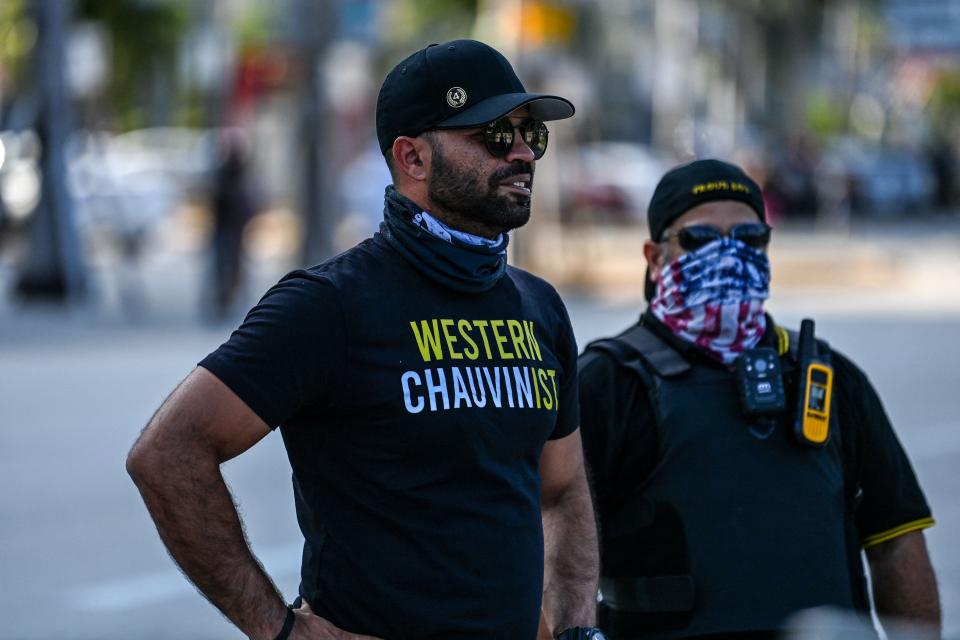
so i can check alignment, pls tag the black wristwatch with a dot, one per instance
(581, 633)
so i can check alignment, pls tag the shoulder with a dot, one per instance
(541, 294)
(596, 362)
(597, 369)
(321, 290)
(859, 407)
(345, 269)
(846, 370)
(859, 404)
(600, 370)
(849, 379)
(530, 284)
(298, 293)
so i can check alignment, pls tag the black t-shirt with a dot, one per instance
(413, 416)
(620, 437)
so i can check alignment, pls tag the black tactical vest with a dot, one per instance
(737, 526)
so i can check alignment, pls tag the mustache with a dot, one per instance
(515, 169)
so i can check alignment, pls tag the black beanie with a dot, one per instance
(684, 187)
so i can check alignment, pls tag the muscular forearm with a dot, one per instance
(571, 559)
(904, 586)
(198, 522)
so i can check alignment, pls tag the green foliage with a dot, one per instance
(945, 102)
(433, 20)
(18, 34)
(408, 25)
(826, 115)
(256, 25)
(145, 36)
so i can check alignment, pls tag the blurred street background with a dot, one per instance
(163, 162)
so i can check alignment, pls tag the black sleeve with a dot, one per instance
(617, 426)
(892, 502)
(568, 411)
(287, 353)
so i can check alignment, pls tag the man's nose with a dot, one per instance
(520, 149)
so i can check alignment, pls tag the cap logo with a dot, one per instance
(456, 97)
(719, 185)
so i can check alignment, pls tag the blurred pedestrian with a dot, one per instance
(425, 390)
(739, 468)
(943, 165)
(233, 203)
(792, 184)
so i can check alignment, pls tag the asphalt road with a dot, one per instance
(79, 557)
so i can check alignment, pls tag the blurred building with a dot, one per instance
(839, 108)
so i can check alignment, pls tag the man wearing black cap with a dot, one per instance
(739, 468)
(425, 391)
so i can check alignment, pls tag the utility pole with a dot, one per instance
(52, 267)
(318, 21)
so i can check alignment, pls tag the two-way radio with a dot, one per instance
(814, 391)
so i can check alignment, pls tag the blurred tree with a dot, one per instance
(256, 25)
(795, 39)
(945, 103)
(18, 34)
(411, 24)
(414, 23)
(317, 29)
(826, 115)
(792, 40)
(52, 267)
(942, 148)
(145, 39)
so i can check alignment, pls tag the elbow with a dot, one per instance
(160, 454)
(139, 463)
(145, 461)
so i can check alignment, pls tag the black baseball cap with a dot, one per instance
(457, 84)
(689, 185)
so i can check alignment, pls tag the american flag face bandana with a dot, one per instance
(713, 297)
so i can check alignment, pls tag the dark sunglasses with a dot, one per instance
(752, 234)
(498, 136)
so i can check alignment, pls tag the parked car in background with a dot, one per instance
(614, 183)
(131, 181)
(884, 181)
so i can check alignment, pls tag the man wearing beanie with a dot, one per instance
(739, 468)
(426, 393)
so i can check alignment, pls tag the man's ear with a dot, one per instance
(654, 253)
(411, 157)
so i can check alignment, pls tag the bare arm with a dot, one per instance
(176, 466)
(571, 554)
(904, 586)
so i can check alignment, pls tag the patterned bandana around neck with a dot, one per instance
(713, 297)
(452, 258)
(440, 230)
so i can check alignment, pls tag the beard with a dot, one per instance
(466, 192)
